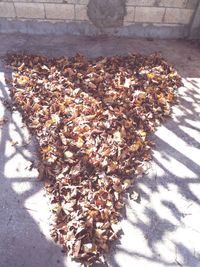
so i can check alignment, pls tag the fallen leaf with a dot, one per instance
(3, 120)
(92, 119)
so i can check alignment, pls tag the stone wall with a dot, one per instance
(149, 18)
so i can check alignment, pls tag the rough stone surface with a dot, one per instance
(130, 14)
(81, 2)
(149, 14)
(141, 2)
(133, 18)
(7, 10)
(192, 4)
(172, 3)
(195, 25)
(106, 13)
(61, 11)
(175, 15)
(29, 10)
(163, 228)
(85, 28)
(81, 12)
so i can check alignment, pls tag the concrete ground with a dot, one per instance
(163, 229)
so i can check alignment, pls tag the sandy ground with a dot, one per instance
(163, 229)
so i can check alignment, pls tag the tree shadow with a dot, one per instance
(22, 238)
(167, 217)
(162, 230)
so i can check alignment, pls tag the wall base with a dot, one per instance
(87, 29)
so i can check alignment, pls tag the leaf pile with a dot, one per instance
(92, 118)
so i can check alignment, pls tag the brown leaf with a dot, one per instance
(76, 248)
(3, 120)
(92, 119)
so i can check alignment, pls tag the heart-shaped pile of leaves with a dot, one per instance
(92, 118)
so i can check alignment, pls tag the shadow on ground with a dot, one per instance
(167, 217)
(163, 229)
(23, 241)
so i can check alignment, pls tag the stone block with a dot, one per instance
(81, 12)
(166, 25)
(7, 10)
(81, 2)
(140, 2)
(45, 1)
(60, 11)
(128, 23)
(173, 3)
(149, 14)
(30, 10)
(178, 15)
(130, 14)
(37, 1)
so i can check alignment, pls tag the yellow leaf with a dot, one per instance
(46, 149)
(127, 183)
(112, 167)
(143, 133)
(23, 80)
(134, 147)
(56, 207)
(150, 75)
(49, 123)
(80, 142)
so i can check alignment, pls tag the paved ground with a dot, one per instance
(164, 228)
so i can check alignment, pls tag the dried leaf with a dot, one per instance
(92, 119)
(3, 120)
(76, 248)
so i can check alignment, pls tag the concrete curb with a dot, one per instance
(87, 29)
